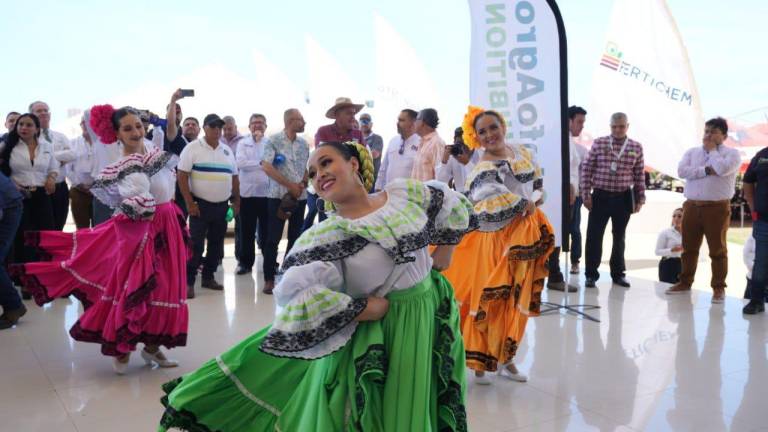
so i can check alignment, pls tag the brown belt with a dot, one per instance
(698, 203)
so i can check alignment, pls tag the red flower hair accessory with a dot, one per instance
(101, 123)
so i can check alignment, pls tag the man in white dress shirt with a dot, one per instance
(401, 150)
(555, 281)
(63, 153)
(457, 162)
(81, 177)
(710, 173)
(254, 188)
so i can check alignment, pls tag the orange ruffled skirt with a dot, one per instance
(498, 278)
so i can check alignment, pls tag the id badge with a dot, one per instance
(614, 166)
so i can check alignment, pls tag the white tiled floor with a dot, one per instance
(653, 363)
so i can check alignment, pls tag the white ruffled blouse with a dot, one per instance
(336, 265)
(137, 183)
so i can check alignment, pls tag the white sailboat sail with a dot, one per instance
(328, 80)
(645, 73)
(276, 93)
(402, 82)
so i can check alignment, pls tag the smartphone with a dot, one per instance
(187, 93)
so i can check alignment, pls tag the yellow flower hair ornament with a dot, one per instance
(469, 134)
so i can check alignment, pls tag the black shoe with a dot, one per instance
(26, 295)
(621, 281)
(211, 284)
(242, 270)
(11, 317)
(753, 307)
(556, 286)
(590, 283)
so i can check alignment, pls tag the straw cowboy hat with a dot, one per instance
(342, 102)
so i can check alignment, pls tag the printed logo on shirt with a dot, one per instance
(226, 152)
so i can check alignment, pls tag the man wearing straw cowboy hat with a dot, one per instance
(341, 130)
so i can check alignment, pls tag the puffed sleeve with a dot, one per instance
(137, 202)
(494, 204)
(124, 185)
(448, 213)
(314, 318)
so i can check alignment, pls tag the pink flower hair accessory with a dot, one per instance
(101, 123)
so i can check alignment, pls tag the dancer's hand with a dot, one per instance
(530, 208)
(441, 257)
(375, 310)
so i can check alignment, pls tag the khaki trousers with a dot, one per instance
(82, 207)
(708, 219)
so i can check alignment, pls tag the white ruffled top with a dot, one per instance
(335, 266)
(137, 183)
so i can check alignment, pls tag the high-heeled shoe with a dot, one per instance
(159, 358)
(513, 376)
(483, 379)
(118, 366)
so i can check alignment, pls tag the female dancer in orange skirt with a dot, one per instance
(498, 271)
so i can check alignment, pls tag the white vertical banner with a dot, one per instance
(518, 67)
(648, 76)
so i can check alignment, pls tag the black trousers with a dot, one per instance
(616, 207)
(60, 200)
(669, 269)
(275, 233)
(210, 226)
(553, 265)
(36, 216)
(253, 217)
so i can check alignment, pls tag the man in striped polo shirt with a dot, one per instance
(207, 176)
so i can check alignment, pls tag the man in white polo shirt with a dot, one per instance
(207, 176)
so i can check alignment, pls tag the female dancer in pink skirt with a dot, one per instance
(129, 272)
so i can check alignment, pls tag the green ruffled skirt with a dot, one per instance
(402, 373)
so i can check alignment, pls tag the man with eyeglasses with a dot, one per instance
(401, 150)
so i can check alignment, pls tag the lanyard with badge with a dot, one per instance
(615, 163)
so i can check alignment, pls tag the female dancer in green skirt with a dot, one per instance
(366, 336)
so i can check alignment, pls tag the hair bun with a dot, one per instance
(101, 123)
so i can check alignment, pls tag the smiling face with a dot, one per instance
(130, 132)
(490, 132)
(333, 177)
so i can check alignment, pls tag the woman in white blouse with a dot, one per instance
(31, 165)
(669, 246)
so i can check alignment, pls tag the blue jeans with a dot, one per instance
(760, 268)
(9, 297)
(312, 211)
(575, 231)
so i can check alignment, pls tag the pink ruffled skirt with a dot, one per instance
(129, 275)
